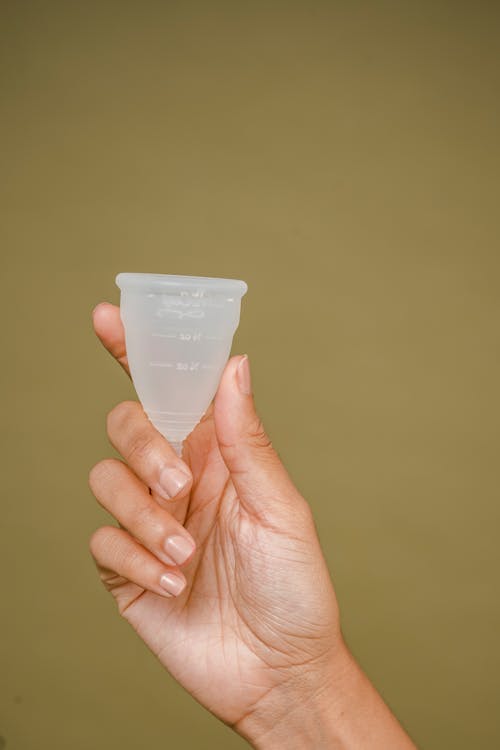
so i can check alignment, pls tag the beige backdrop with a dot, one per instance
(343, 159)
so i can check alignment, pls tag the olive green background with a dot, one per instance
(343, 159)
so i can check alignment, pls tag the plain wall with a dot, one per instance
(343, 159)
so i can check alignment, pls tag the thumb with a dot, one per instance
(258, 475)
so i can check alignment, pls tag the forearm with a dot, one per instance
(347, 714)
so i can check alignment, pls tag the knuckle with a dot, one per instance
(131, 560)
(254, 441)
(141, 445)
(130, 431)
(102, 472)
(149, 525)
(257, 436)
(98, 540)
(120, 414)
(144, 515)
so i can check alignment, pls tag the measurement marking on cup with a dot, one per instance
(183, 366)
(191, 366)
(180, 313)
(183, 336)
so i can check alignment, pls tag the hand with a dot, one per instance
(250, 626)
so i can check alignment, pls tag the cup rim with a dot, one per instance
(161, 281)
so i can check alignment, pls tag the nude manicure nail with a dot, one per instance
(179, 548)
(172, 481)
(172, 583)
(243, 376)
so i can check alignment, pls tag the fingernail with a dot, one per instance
(179, 548)
(172, 481)
(243, 376)
(172, 583)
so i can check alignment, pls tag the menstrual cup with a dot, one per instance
(178, 333)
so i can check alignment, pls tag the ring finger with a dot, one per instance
(114, 550)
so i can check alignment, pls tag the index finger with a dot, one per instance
(109, 329)
(147, 452)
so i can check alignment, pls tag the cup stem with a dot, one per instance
(177, 448)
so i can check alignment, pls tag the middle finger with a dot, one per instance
(123, 494)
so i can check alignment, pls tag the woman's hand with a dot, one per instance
(217, 566)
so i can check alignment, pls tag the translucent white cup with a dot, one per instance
(178, 332)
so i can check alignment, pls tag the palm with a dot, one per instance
(240, 626)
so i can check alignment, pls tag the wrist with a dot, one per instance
(301, 712)
(334, 708)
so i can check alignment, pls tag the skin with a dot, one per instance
(249, 622)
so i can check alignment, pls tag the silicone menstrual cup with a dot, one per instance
(178, 333)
